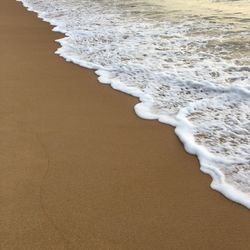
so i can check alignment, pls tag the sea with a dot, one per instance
(187, 61)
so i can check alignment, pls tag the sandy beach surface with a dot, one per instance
(79, 170)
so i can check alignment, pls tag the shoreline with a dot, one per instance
(81, 170)
(183, 128)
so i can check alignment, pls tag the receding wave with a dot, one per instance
(188, 64)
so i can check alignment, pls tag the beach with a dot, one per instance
(79, 170)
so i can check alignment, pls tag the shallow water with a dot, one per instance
(187, 61)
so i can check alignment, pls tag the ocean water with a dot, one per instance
(188, 62)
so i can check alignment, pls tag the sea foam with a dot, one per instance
(190, 69)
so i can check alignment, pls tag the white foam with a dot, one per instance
(192, 73)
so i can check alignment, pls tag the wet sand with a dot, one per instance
(79, 170)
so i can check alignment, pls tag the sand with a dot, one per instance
(79, 170)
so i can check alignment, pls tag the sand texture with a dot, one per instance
(79, 170)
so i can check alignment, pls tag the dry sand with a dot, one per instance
(79, 170)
